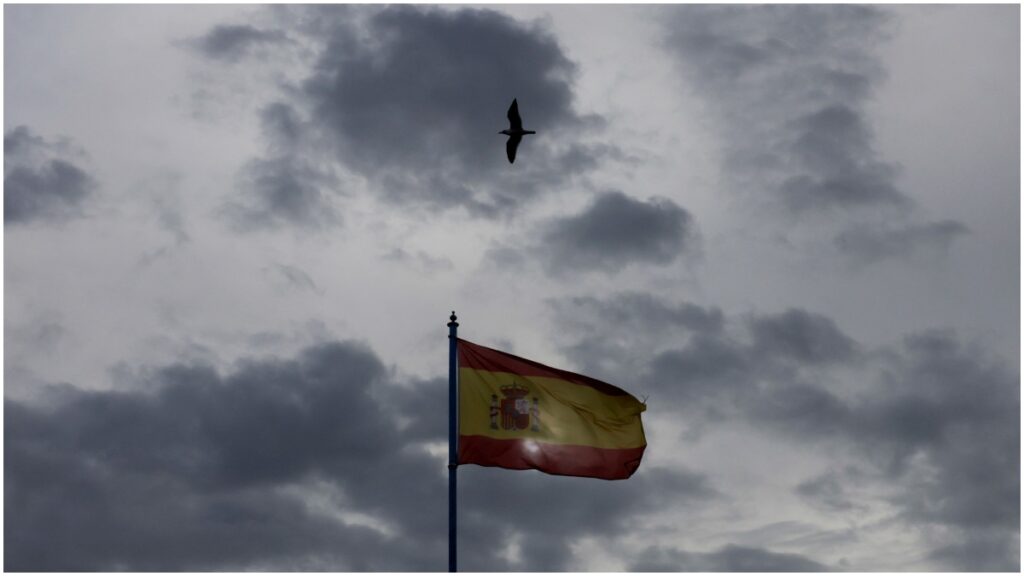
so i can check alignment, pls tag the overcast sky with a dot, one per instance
(233, 236)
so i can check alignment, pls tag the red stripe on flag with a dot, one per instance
(483, 358)
(560, 459)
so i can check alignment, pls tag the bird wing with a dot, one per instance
(513, 116)
(510, 147)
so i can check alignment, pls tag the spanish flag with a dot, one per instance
(516, 413)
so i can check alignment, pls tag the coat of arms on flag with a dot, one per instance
(518, 410)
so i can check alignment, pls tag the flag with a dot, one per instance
(520, 414)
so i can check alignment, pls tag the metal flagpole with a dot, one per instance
(453, 434)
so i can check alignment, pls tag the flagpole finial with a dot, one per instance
(453, 319)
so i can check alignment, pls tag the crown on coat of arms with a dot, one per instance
(514, 391)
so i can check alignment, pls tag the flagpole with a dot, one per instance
(453, 434)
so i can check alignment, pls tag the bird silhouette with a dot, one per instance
(515, 131)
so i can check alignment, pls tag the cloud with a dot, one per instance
(613, 233)
(521, 508)
(639, 310)
(731, 558)
(694, 352)
(165, 204)
(963, 409)
(311, 462)
(623, 335)
(294, 278)
(40, 182)
(184, 476)
(616, 231)
(826, 491)
(803, 336)
(169, 211)
(410, 106)
(936, 420)
(420, 260)
(832, 149)
(867, 245)
(283, 127)
(283, 191)
(980, 552)
(232, 42)
(396, 100)
(288, 186)
(789, 86)
(943, 428)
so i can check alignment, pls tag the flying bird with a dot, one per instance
(515, 131)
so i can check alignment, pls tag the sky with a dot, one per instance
(233, 236)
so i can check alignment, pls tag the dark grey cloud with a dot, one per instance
(21, 143)
(937, 420)
(613, 233)
(283, 127)
(789, 85)
(979, 552)
(629, 334)
(836, 165)
(942, 427)
(283, 190)
(691, 352)
(288, 186)
(410, 100)
(803, 336)
(184, 477)
(413, 98)
(616, 231)
(547, 509)
(714, 368)
(962, 408)
(231, 42)
(826, 491)
(189, 469)
(731, 558)
(639, 311)
(866, 245)
(40, 182)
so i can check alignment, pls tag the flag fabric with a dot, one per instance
(520, 414)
